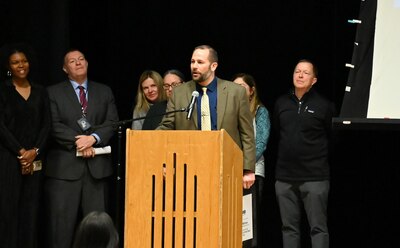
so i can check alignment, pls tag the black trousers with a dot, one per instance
(257, 193)
(67, 201)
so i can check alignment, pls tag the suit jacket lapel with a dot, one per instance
(91, 99)
(192, 87)
(221, 101)
(71, 96)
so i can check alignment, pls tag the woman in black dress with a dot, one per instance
(24, 128)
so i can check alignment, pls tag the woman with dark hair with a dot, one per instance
(24, 128)
(96, 230)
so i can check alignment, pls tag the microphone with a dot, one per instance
(190, 108)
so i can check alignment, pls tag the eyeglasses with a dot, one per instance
(167, 86)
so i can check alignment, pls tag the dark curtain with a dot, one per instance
(122, 38)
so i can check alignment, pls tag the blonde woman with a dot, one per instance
(150, 90)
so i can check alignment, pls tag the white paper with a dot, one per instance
(97, 151)
(247, 217)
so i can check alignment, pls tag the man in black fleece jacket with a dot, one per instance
(302, 119)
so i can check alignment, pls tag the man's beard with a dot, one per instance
(199, 79)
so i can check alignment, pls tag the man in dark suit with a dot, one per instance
(77, 183)
(229, 107)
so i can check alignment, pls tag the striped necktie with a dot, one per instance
(82, 99)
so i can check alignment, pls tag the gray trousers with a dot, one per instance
(313, 195)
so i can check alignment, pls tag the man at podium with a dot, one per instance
(215, 104)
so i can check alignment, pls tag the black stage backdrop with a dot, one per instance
(122, 38)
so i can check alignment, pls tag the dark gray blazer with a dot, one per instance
(62, 162)
(233, 115)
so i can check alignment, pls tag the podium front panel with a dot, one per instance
(183, 189)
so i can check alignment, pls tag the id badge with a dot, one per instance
(83, 124)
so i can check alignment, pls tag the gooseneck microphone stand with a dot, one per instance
(120, 125)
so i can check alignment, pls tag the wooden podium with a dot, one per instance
(183, 189)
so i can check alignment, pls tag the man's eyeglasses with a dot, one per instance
(167, 86)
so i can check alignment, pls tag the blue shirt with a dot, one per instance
(212, 97)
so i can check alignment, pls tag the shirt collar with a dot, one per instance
(75, 84)
(211, 86)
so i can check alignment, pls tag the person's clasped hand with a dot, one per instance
(84, 144)
(26, 159)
